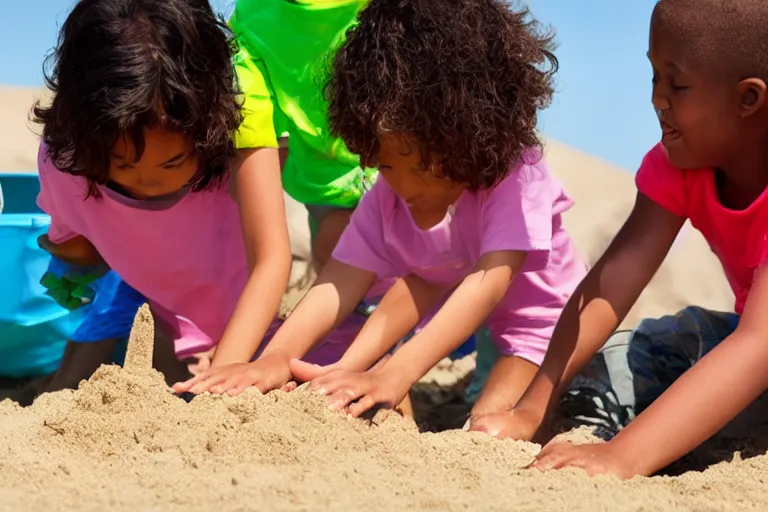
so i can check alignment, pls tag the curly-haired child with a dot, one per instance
(135, 170)
(442, 97)
(670, 384)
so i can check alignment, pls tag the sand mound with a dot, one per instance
(123, 441)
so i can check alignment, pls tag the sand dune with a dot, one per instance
(18, 136)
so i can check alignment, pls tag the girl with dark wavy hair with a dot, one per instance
(442, 97)
(138, 170)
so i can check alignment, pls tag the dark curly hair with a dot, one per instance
(464, 78)
(121, 66)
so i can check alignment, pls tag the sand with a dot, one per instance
(123, 441)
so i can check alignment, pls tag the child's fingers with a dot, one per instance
(230, 382)
(331, 384)
(239, 388)
(290, 386)
(487, 424)
(362, 405)
(306, 372)
(207, 383)
(553, 456)
(341, 398)
(184, 387)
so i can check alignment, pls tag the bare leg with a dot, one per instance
(327, 236)
(507, 382)
(405, 407)
(79, 362)
(165, 361)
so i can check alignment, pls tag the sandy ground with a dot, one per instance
(124, 442)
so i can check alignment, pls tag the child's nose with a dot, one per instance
(147, 182)
(660, 103)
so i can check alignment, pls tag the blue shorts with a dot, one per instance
(111, 314)
(635, 367)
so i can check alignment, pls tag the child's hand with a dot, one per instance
(201, 362)
(266, 373)
(595, 459)
(360, 391)
(308, 372)
(70, 286)
(514, 424)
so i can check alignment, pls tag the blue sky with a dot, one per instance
(603, 101)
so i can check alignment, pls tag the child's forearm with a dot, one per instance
(585, 323)
(602, 300)
(337, 292)
(257, 189)
(77, 251)
(401, 309)
(697, 405)
(461, 315)
(79, 362)
(255, 311)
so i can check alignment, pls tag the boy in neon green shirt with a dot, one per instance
(286, 47)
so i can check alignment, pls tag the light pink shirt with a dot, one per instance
(522, 213)
(187, 258)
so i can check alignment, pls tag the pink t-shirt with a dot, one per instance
(187, 258)
(522, 213)
(738, 238)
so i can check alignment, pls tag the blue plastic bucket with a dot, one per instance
(33, 328)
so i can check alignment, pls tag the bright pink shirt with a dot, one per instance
(738, 238)
(522, 213)
(187, 258)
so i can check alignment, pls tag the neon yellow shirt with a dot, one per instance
(286, 50)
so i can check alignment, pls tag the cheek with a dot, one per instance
(185, 173)
(188, 170)
(121, 177)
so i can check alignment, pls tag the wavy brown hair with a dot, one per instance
(121, 66)
(465, 78)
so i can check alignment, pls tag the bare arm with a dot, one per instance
(76, 251)
(336, 293)
(461, 315)
(707, 396)
(602, 300)
(258, 191)
(401, 309)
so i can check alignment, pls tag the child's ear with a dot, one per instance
(752, 95)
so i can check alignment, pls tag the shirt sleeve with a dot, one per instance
(517, 214)
(362, 244)
(257, 129)
(58, 231)
(663, 183)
